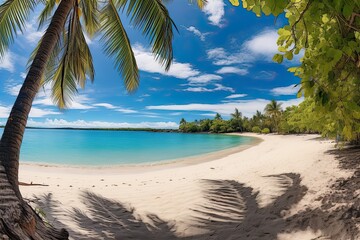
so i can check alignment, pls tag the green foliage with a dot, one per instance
(70, 64)
(256, 129)
(265, 131)
(13, 15)
(327, 35)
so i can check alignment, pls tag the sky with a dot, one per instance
(222, 61)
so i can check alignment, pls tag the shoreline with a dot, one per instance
(144, 167)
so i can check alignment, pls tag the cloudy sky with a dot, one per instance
(222, 62)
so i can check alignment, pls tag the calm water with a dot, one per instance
(95, 147)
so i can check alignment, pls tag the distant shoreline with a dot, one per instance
(106, 129)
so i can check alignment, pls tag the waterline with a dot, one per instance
(106, 148)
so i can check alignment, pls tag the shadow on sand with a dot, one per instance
(231, 211)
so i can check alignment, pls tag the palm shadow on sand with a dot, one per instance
(231, 211)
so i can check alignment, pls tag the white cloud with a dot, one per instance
(59, 123)
(125, 110)
(218, 87)
(221, 57)
(7, 62)
(115, 108)
(214, 9)
(232, 96)
(263, 44)
(234, 70)
(146, 62)
(32, 35)
(105, 105)
(197, 32)
(260, 47)
(37, 112)
(12, 88)
(204, 79)
(288, 90)
(23, 75)
(4, 111)
(247, 107)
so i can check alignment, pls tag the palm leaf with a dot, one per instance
(153, 18)
(53, 62)
(63, 80)
(90, 13)
(80, 58)
(13, 14)
(46, 12)
(75, 65)
(117, 45)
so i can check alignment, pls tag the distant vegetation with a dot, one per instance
(292, 120)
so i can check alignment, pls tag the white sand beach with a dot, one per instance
(215, 199)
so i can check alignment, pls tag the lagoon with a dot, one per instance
(110, 147)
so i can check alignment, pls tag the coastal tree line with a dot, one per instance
(266, 122)
(273, 119)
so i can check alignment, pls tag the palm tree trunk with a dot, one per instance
(17, 219)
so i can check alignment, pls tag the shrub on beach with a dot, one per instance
(256, 129)
(265, 131)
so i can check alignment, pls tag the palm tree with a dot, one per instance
(273, 110)
(182, 121)
(218, 116)
(63, 59)
(236, 115)
(236, 119)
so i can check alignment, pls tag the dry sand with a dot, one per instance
(267, 191)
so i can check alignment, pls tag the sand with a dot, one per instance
(268, 191)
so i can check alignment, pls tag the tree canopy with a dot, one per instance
(326, 34)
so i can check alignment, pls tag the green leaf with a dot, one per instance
(278, 58)
(348, 10)
(266, 10)
(257, 10)
(325, 18)
(235, 2)
(289, 55)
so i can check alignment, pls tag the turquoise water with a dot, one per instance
(97, 147)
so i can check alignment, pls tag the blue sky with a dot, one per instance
(222, 62)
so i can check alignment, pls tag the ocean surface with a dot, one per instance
(100, 147)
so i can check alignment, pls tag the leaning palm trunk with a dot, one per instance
(17, 219)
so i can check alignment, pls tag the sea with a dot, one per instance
(110, 147)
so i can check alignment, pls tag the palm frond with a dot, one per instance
(63, 80)
(80, 58)
(46, 13)
(117, 45)
(75, 65)
(53, 62)
(63, 84)
(90, 13)
(13, 14)
(200, 3)
(153, 18)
